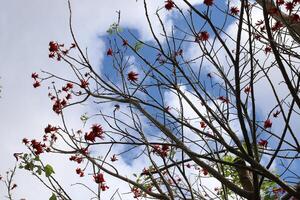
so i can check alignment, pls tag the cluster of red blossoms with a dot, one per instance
(203, 124)
(202, 36)
(132, 76)
(55, 50)
(79, 172)
(96, 132)
(59, 104)
(234, 10)
(76, 158)
(50, 130)
(136, 192)
(223, 99)
(208, 2)
(268, 124)
(263, 143)
(99, 178)
(169, 4)
(37, 147)
(161, 150)
(35, 77)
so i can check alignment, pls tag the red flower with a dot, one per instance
(279, 2)
(84, 83)
(295, 18)
(57, 107)
(103, 187)
(109, 52)
(69, 85)
(99, 178)
(276, 113)
(223, 99)
(277, 26)
(113, 158)
(97, 131)
(247, 89)
(50, 129)
(36, 84)
(53, 47)
(79, 172)
(268, 49)
(268, 123)
(169, 4)
(25, 141)
(234, 10)
(132, 76)
(263, 143)
(34, 75)
(69, 96)
(202, 124)
(289, 6)
(37, 146)
(202, 36)
(136, 192)
(205, 171)
(208, 2)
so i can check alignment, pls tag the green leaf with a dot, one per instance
(84, 118)
(53, 197)
(37, 158)
(39, 170)
(49, 170)
(138, 46)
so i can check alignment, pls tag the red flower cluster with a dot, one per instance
(35, 77)
(97, 131)
(136, 192)
(276, 113)
(202, 124)
(295, 18)
(234, 10)
(79, 172)
(58, 105)
(50, 129)
(268, 49)
(38, 147)
(289, 6)
(202, 36)
(263, 143)
(99, 178)
(268, 123)
(132, 76)
(67, 87)
(205, 171)
(223, 99)
(76, 158)
(208, 2)
(113, 158)
(25, 141)
(54, 50)
(109, 52)
(279, 2)
(84, 83)
(169, 4)
(161, 150)
(277, 26)
(247, 89)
